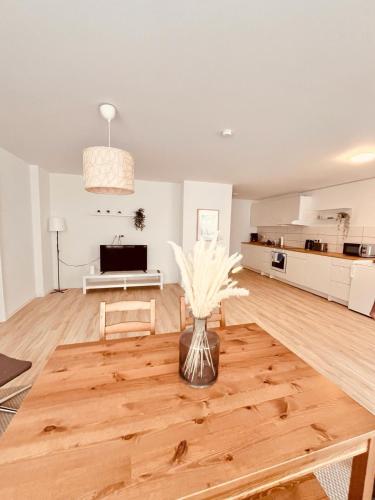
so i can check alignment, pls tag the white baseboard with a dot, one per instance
(8, 316)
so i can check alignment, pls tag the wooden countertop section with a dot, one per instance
(313, 252)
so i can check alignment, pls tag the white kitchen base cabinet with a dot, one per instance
(362, 291)
(340, 280)
(328, 277)
(318, 273)
(256, 258)
(296, 268)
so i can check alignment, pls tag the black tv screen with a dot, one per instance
(123, 258)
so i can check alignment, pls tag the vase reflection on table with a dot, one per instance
(205, 279)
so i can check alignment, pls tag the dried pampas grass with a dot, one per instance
(205, 278)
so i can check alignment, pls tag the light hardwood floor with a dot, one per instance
(337, 342)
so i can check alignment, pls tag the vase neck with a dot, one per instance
(200, 323)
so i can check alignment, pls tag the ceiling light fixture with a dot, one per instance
(358, 155)
(364, 157)
(108, 170)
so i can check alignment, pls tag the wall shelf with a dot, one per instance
(329, 216)
(113, 214)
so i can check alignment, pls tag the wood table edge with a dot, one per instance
(240, 487)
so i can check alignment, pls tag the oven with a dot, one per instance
(278, 262)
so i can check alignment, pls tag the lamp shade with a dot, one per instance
(56, 224)
(108, 170)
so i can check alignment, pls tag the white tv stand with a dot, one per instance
(122, 279)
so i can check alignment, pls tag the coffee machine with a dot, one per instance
(309, 244)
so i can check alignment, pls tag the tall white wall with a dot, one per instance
(42, 239)
(3, 315)
(45, 209)
(16, 235)
(240, 224)
(205, 195)
(79, 244)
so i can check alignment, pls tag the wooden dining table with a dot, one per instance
(113, 419)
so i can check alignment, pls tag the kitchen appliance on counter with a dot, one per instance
(254, 237)
(320, 247)
(362, 287)
(359, 249)
(309, 244)
(278, 262)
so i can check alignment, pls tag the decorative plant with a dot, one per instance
(139, 219)
(205, 278)
(343, 222)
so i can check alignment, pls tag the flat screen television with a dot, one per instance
(123, 258)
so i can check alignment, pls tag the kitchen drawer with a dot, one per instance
(341, 262)
(340, 274)
(296, 255)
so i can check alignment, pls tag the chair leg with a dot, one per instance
(10, 396)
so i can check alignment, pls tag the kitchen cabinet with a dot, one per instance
(362, 289)
(245, 251)
(266, 261)
(296, 268)
(327, 276)
(253, 256)
(340, 280)
(317, 276)
(295, 209)
(256, 257)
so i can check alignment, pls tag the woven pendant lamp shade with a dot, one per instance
(108, 170)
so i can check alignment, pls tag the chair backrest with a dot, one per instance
(128, 328)
(216, 318)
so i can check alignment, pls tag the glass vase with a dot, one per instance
(199, 354)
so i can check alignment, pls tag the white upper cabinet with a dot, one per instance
(294, 209)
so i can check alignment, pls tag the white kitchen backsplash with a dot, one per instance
(296, 235)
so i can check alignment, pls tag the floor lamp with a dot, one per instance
(57, 224)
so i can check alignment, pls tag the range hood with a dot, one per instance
(289, 210)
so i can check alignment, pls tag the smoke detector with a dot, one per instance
(226, 132)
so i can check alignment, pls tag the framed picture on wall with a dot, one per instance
(207, 223)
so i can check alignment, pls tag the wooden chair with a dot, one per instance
(303, 488)
(216, 319)
(11, 368)
(128, 328)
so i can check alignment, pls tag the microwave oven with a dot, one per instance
(359, 249)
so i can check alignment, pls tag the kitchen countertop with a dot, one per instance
(336, 255)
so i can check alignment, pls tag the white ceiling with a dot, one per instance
(295, 80)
